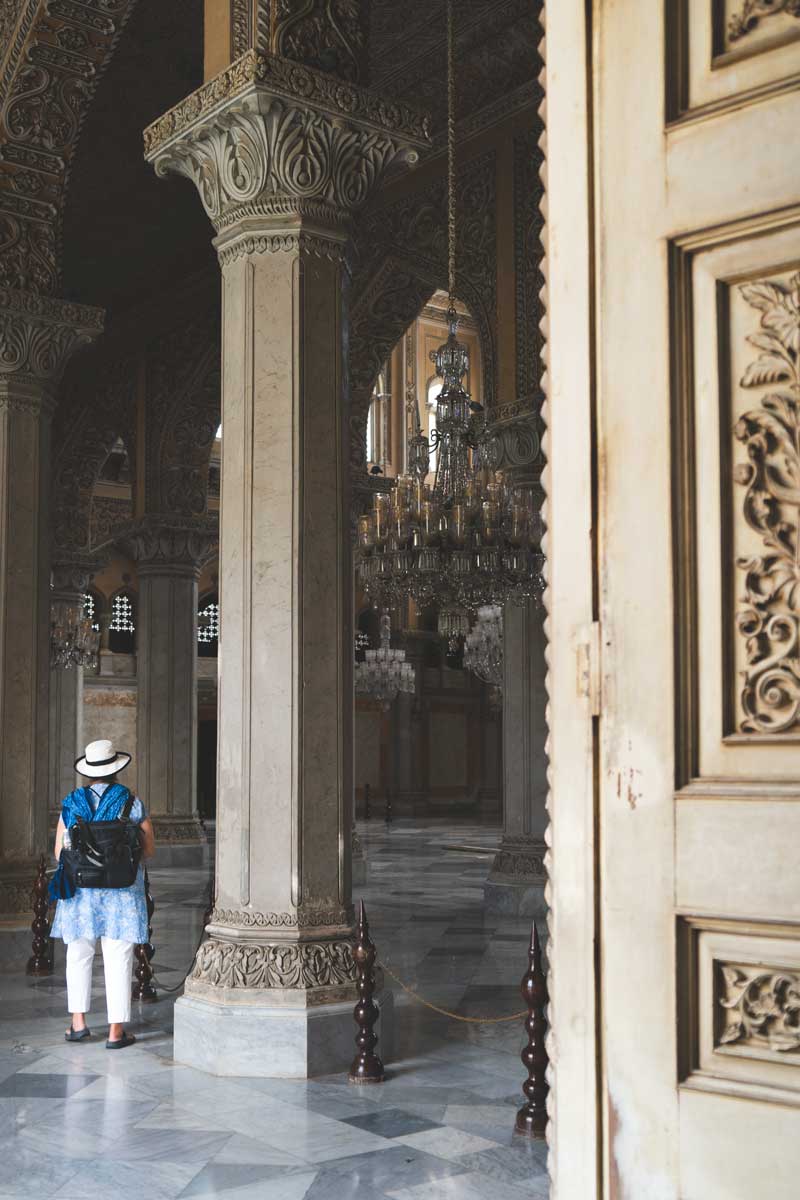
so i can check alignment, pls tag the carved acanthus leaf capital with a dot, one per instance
(515, 445)
(71, 573)
(163, 543)
(269, 138)
(38, 335)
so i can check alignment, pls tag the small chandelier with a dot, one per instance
(471, 539)
(384, 672)
(483, 646)
(73, 640)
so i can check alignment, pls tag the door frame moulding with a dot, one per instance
(576, 1132)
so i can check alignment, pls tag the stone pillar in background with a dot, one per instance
(517, 878)
(70, 579)
(169, 557)
(271, 990)
(37, 336)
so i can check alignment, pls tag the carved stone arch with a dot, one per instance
(91, 417)
(57, 53)
(380, 315)
(409, 237)
(183, 443)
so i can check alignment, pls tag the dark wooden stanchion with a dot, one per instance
(144, 989)
(367, 799)
(388, 808)
(40, 961)
(532, 1117)
(367, 1067)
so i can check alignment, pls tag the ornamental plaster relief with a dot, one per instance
(38, 336)
(268, 156)
(52, 66)
(281, 965)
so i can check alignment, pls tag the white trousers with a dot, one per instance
(117, 963)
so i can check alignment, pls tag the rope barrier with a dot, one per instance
(446, 1012)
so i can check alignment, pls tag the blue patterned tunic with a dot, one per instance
(105, 912)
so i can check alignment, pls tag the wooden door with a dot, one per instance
(696, 231)
(673, 504)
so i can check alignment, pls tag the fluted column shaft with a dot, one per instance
(37, 336)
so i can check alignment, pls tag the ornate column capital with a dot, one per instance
(169, 545)
(71, 573)
(516, 443)
(282, 154)
(37, 336)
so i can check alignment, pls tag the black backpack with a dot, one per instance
(104, 854)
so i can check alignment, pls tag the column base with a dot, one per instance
(515, 885)
(272, 1042)
(515, 899)
(16, 889)
(181, 842)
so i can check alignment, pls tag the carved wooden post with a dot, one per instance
(143, 988)
(40, 962)
(532, 1117)
(367, 1067)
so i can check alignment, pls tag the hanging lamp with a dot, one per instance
(470, 538)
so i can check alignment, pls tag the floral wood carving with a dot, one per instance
(762, 1007)
(278, 965)
(753, 11)
(770, 622)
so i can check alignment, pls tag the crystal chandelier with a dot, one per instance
(73, 641)
(483, 646)
(384, 672)
(471, 539)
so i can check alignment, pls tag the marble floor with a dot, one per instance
(79, 1122)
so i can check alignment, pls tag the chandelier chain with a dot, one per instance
(451, 155)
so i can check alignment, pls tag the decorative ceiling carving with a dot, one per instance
(50, 74)
(496, 51)
(330, 35)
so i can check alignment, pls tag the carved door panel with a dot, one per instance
(697, 234)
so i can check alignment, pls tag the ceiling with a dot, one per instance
(127, 234)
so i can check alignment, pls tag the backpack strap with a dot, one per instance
(126, 808)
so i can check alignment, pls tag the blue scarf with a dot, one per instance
(78, 804)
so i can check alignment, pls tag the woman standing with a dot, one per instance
(118, 916)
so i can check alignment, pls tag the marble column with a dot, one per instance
(70, 580)
(169, 554)
(37, 336)
(516, 881)
(517, 878)
(271, 990)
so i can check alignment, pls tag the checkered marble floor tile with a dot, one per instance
(76, 1121)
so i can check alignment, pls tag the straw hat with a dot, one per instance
(100, 758)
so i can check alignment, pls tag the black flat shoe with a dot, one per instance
(127, 1039)
(76, 1035)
